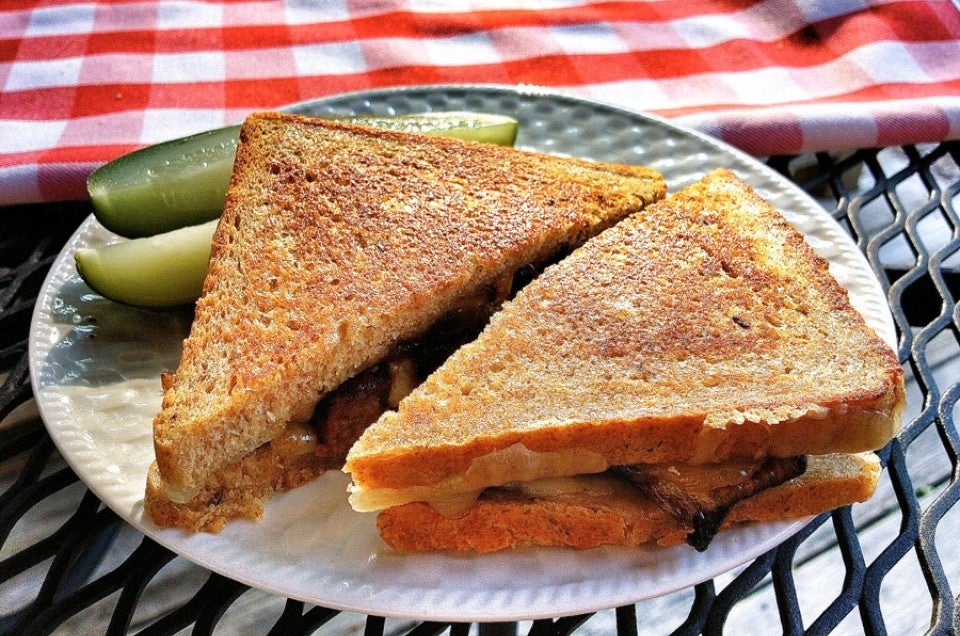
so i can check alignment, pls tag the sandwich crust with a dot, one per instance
(239, 491)
(339, 241)
(702, 329)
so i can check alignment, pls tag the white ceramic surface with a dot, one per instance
(96, 366)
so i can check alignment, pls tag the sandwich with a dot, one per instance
(693, 367)
(347, 264)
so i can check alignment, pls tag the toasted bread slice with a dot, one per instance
(336, 243)
(704, 328)
(599, 511)
(239, 491)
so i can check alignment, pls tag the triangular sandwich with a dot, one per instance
(697, 362)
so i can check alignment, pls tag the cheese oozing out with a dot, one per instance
(512, 464)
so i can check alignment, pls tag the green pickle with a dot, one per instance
(166, 198)
(165, 270)
(167, 186)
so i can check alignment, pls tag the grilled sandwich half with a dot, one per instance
(348, 264)
(694, 366)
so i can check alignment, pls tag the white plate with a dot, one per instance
(95, 367)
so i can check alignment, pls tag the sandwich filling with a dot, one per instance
(328, 427)
(697, 496)
(700, 496)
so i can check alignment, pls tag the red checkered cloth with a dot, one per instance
(85, 82)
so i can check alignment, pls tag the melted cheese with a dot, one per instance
(594, 486)
(600, 486)
(179, 496)
(512, 464)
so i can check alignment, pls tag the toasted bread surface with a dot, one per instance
(701, 329)
(504, 520)
(337, 242)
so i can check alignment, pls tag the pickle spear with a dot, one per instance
(184, 181)
(165, 270)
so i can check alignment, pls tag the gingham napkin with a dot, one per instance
(85, 82)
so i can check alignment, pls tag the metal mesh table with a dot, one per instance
(888, 566)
